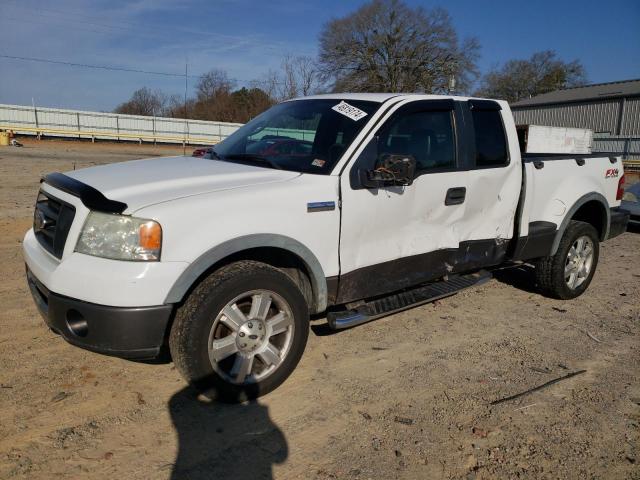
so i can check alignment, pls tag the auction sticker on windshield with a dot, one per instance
(349, 111)
(318, 163)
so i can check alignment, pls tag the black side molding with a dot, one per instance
(90, 197)
(538, 243)
(619, 220)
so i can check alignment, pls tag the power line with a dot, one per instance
(117, 69)
(100, 67)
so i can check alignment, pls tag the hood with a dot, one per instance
(141, 183)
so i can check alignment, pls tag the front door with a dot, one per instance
(394, 237)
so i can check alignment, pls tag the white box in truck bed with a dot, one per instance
(547, 139)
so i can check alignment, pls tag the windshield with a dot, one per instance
(302, 135)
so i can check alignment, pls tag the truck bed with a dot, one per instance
(553, 193)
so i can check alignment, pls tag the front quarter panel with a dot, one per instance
(196, 226)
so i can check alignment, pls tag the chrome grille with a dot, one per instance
(52, 220)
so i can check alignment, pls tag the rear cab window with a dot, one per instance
(490, 140)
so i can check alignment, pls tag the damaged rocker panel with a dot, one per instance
(393, 275)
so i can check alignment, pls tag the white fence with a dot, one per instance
(111, 126)
(628, 147)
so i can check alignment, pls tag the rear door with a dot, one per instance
(494, 177)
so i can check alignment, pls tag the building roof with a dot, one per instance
(624, 88)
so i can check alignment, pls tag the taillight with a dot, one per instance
(620, 192)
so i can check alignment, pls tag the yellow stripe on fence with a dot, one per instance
(631, 165)
(110, 133)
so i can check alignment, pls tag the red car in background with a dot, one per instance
(200, 152)
(270, 146)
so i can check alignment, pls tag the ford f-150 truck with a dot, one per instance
(349, 205)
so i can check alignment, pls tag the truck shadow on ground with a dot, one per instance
(224, 441)
(521, 277)
(633, 228)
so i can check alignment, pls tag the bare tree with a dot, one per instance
(386, 45)
(543, 72)
(289, 81)
(299, 76)
(213, 97)
(250, 102)
(213, 83)
(216, 99)
(268, 84)
(145, 101)
(307, 75)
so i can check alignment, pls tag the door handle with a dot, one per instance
(455, 196)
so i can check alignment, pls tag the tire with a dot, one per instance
(241, 332)
(553, 274)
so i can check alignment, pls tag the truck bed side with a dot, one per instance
(559, 188)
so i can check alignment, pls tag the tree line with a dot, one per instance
(383, 46)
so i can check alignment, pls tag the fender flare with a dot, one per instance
(576, 206)
(236, 245)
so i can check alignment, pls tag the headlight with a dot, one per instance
(120, 237)
(629, 197)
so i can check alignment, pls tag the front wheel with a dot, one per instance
(241, 332)
(568, 273)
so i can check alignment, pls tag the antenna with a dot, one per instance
(186, 80)
(452, 84)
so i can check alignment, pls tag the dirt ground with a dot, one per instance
(407, 396)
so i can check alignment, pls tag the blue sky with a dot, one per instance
(246, 38)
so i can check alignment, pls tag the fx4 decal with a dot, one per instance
(611, 173)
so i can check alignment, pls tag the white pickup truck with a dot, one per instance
(351, 205)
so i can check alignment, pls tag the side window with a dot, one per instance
(491, 144)
(427, 136)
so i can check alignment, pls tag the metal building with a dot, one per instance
(611, 110)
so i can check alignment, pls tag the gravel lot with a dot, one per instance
(407, 396)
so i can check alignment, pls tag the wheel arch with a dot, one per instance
(277, 250)
(591, 208)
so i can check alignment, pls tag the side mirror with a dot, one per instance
(391, 170)
(372, 170)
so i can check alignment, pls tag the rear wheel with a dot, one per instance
(241, 332)
(568, 273)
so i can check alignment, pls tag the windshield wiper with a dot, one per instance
(251, 158)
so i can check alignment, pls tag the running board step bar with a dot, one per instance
(397, 302)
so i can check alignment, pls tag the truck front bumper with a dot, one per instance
(126, 332)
